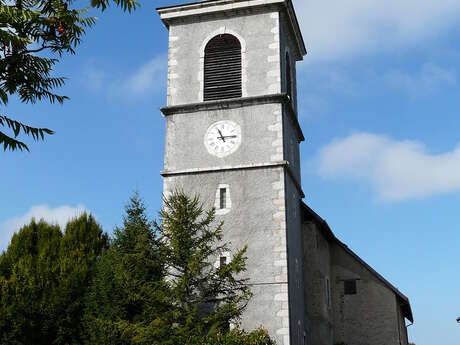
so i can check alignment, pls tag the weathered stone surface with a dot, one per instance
(372, 316)
(289, 262)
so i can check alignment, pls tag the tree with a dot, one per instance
(205, 298)
(158, 283)
(44, 277)
(152, 284)
(34, 35)
(81, 247)
(27, 278)
(127, 296)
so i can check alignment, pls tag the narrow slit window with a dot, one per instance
(222, 68)
(223, 198)
(350, 287)
(223, 261)
(328, 292)
(288, 77)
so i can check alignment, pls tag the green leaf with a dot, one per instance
(16, 126)
(12, 144)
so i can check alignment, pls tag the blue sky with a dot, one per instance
(379, 105)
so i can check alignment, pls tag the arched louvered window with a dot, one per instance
(288, 77)
(222, 68)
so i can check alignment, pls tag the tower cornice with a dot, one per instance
(232, 103)
(283, 164)
(202, 8)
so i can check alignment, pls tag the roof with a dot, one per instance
(170, 13)
(310, 215)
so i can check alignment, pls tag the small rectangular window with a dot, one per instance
(223, 198)
(350, 287)
(223, 261)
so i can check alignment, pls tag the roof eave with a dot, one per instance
(296, 28)
(205, 7)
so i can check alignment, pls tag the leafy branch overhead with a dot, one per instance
(34, 35)
(17, 127)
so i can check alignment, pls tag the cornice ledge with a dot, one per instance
(223, 104)
(237, 103)
(224, 168)
(284, 164)
(206, 7)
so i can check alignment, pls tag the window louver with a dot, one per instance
(222, 68)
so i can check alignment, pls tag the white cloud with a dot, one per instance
(335, 29)
(323, 85)
(145, 80)
(397, 170)
(59, 215)
(430, 77)
(93, 76)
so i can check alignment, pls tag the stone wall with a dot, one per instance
(288, 45)
(261, 137)
(370, 317)
(295, 261)
(259, 35)
(402, 328)
(256, 219)
(317, 270)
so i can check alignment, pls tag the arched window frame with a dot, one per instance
(221, 31)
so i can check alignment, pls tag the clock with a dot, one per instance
(223, 138)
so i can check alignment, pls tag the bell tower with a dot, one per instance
(232, 137)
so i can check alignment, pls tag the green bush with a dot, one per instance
(239, 337)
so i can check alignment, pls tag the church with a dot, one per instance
(233, 138)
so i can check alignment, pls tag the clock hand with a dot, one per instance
(230, 137)
(221, 136)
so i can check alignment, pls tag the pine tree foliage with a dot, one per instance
(81, 247)
(206, 297)
(158, 284)
(44, 277)
(127, 296)
(34, 35)
(152, 284)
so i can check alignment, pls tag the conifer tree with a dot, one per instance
(44, 277)
(159, 284)
(156, 283)
(126, 298)
(205, 297)
(28, 271)
(82, 245)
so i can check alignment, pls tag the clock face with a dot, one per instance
(223, 138)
